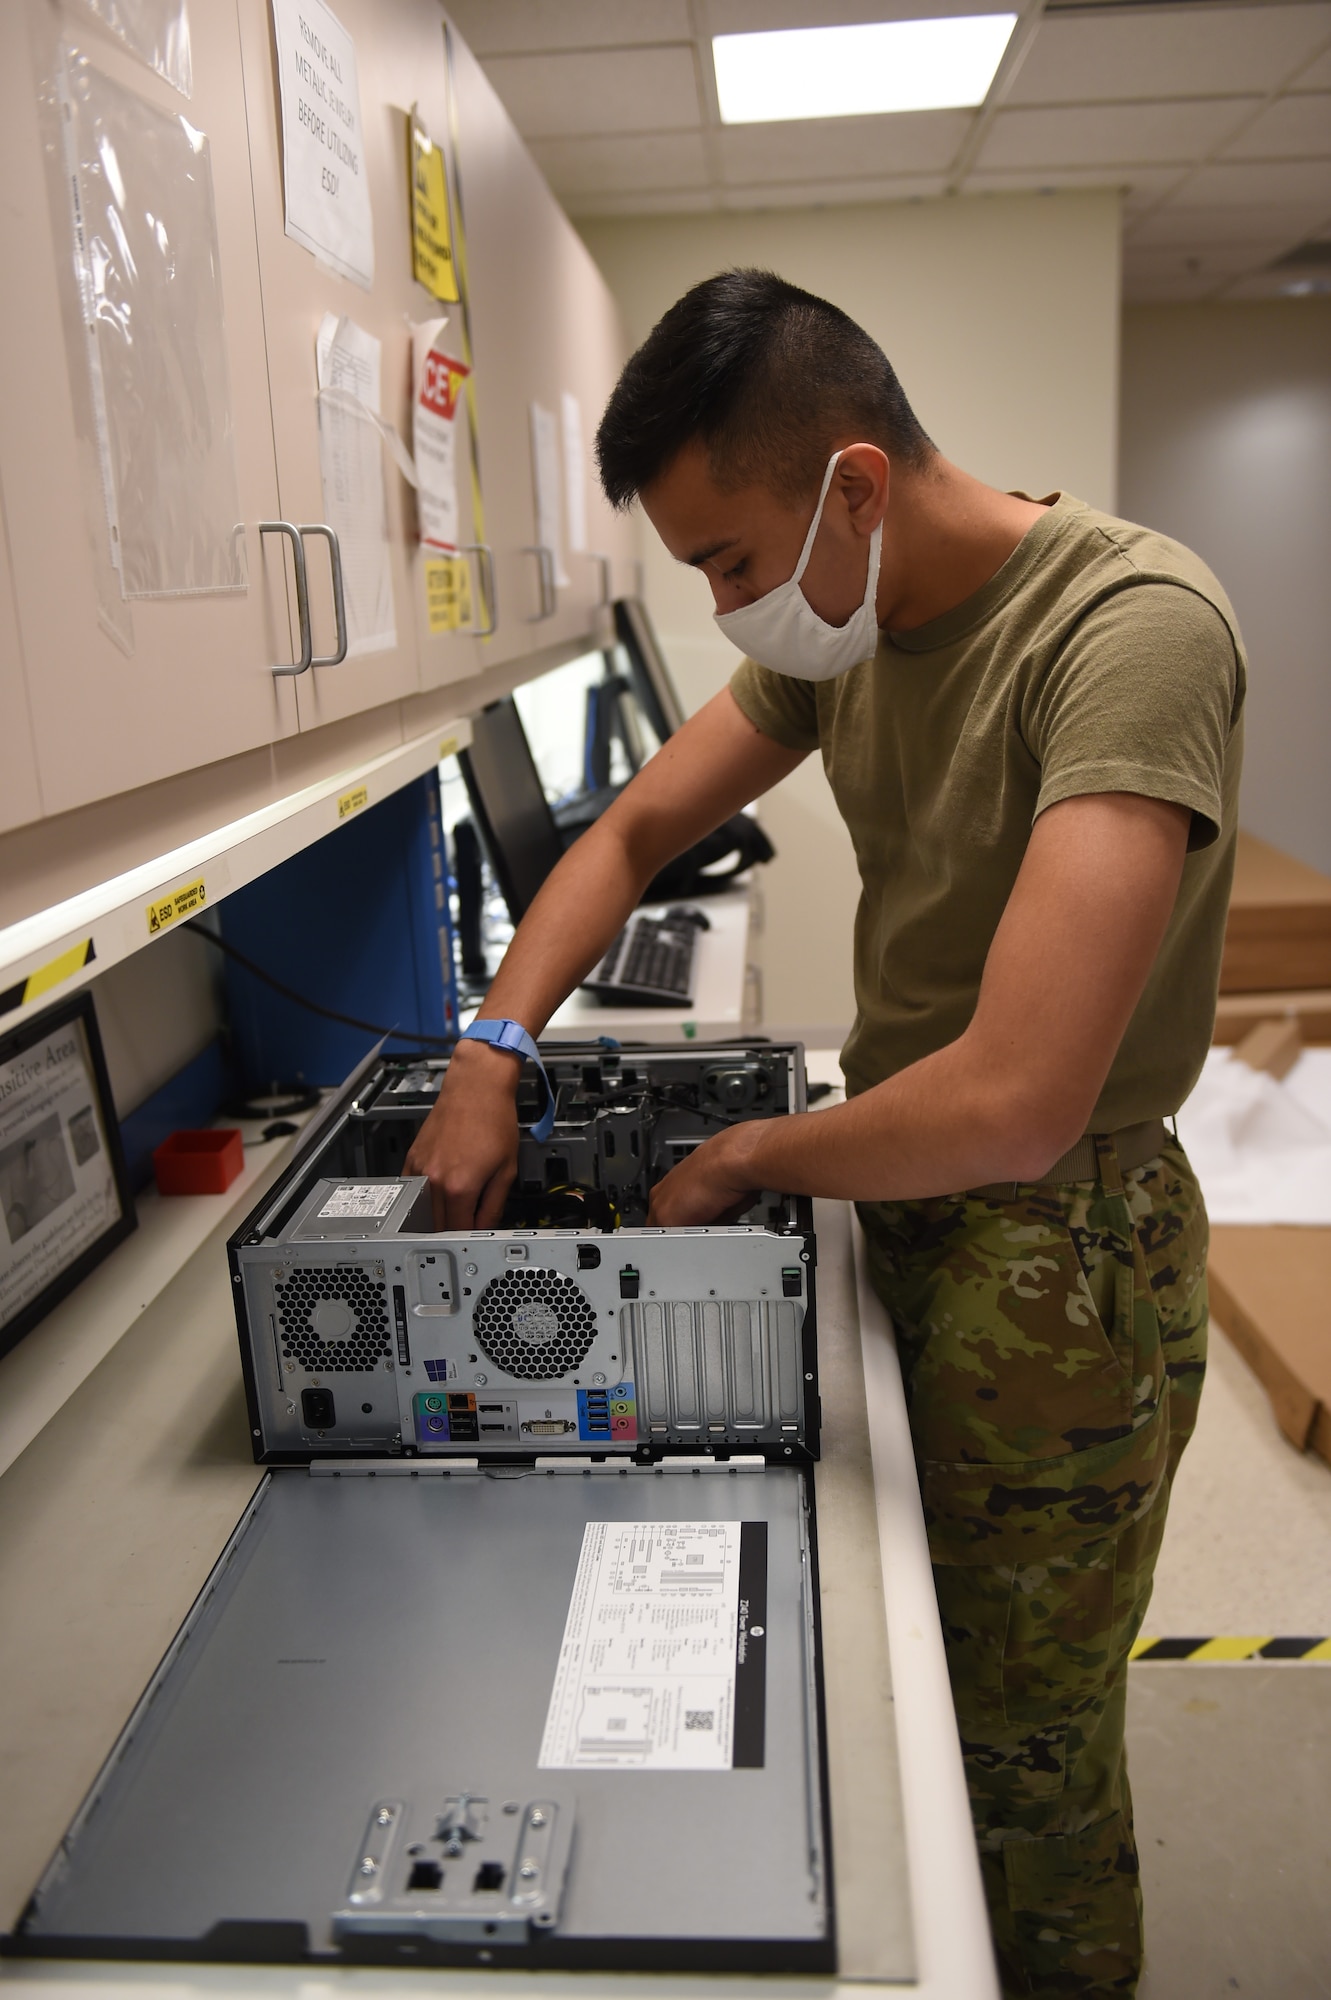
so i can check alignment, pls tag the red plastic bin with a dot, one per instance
(198, 1162)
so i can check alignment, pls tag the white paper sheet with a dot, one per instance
(437, 400)
(351, 462)
(323, 150)
(547, 478)
(646, 1675)
(575, 472)
(1259, 1148)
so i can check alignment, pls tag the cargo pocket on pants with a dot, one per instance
(1079, 1896)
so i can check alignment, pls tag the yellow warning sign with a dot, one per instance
(431, 243)
(351, 802)
(181, 903)
(448, 593)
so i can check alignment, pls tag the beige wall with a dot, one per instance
(1227, 445)
(1001, 316)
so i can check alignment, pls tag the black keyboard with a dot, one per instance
(650, 964)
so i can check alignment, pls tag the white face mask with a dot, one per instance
(784, 632)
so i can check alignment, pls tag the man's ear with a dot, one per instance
(863, 477)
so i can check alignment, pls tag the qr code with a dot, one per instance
(700, 1718)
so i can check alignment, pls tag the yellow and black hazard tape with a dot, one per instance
(1201, 1651)
(54, 973)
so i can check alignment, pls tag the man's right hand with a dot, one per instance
(468, 1146)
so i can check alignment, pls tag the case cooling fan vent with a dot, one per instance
(333, 1319)
(534, 1324)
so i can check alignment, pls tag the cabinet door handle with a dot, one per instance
(302, 593)
(545, 564)
(603, 563)
(485, 556)
(339, 596)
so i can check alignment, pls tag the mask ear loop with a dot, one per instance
(807, 550)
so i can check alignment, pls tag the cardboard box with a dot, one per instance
(1271, 1292)
(1279, 930)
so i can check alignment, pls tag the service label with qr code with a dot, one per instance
(662, 1666)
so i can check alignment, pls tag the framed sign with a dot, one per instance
(64, 1196)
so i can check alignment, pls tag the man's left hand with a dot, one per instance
(711, 1185)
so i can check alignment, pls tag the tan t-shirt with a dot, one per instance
(1102, 657)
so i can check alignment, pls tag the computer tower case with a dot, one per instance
(514, 1659)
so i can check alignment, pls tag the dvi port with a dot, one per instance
(547, 1427)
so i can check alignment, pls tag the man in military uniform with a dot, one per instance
(1029, 715)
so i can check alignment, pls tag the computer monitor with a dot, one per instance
(509, 805)
(653, 687)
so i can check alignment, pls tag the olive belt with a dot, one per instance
(1132, 1146)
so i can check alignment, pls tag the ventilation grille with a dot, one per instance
(534, 1324)
(333, 1319)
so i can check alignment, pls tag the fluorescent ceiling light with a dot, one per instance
(850, 71)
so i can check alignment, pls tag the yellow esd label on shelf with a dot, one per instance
(181, 903)
(448, 593)
(351, 802)
(448, 748)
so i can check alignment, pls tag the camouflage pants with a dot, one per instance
(1053, 1347)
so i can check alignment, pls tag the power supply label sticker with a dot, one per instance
(654, 1648)
(364, 1200)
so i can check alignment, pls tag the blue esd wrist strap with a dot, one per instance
(512, 1036)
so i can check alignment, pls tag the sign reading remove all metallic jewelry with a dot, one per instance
(323, 152)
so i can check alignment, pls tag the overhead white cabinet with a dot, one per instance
(156, 417)
(125, 692)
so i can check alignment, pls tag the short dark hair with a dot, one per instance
(765, 376)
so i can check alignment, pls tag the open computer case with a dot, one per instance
(514, 1658)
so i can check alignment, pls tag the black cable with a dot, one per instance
(316, 1006)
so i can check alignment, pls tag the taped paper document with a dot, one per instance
(351, 462)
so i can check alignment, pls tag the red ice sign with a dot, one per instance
(442, 379)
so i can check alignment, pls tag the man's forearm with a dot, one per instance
(701, 775)
(581, 908)
(942, 1125)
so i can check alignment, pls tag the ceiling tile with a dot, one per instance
(842, 148)
(1317, 76)
(1259, 183)
(1194, 52)
(1275, 285)
(1167, 288)
(746, 17)
(1291, 128)
(1208, 264)
(515, 27)
(837, 193)
(657, 160)
(617, 90)
(1274, 229)
(1111, 134)
(611, 202)
(1137, 184)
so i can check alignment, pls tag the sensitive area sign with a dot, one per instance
(323, 153)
